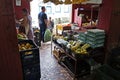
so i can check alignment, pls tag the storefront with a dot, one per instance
(77, 42)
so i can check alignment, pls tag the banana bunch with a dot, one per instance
(83, 49)
(85, 46)
(75, 45)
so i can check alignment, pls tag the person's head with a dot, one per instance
(43, 8)
(24, 11)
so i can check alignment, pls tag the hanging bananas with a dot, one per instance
(56, 2)
(67, 2)
(45, 1)
(78, 1)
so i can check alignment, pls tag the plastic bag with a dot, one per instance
(47, 35)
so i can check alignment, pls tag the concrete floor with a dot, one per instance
(50, 69)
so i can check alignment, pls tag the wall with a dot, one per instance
(86, 11)
(10, 64)
(18, 9)
(114, 28)
(109, 20)
(105, 15)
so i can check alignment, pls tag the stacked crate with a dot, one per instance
(82, 36)
(95, 37)
(30, 61)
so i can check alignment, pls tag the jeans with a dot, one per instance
(42, 32)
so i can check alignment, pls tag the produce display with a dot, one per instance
(21, 36)
(25, 46)
(86, 41)
(78, 47)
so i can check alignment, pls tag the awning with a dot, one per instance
(65, 1)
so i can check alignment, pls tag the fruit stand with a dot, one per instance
(79, 55)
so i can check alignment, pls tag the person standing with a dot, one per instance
(42, 17)
(27, 24)
(50, 24)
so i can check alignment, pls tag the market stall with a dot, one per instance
(80, 50)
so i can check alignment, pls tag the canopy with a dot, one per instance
(65, 1)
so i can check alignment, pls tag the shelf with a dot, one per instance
(75, 74)
(71, 56)
(75, 64)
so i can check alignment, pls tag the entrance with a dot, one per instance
(59, 13)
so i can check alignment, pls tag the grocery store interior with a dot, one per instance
(82, 42)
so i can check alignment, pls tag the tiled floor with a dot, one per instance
(50, 69)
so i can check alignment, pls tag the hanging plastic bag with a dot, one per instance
(47, 35)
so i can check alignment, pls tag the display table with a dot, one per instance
(78, 65)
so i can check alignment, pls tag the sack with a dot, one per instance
(47, 35)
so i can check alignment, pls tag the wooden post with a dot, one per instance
(10, 64)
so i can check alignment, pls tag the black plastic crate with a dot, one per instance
(34, 76)
(32, 72)
(31, 58)
(30, 69)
